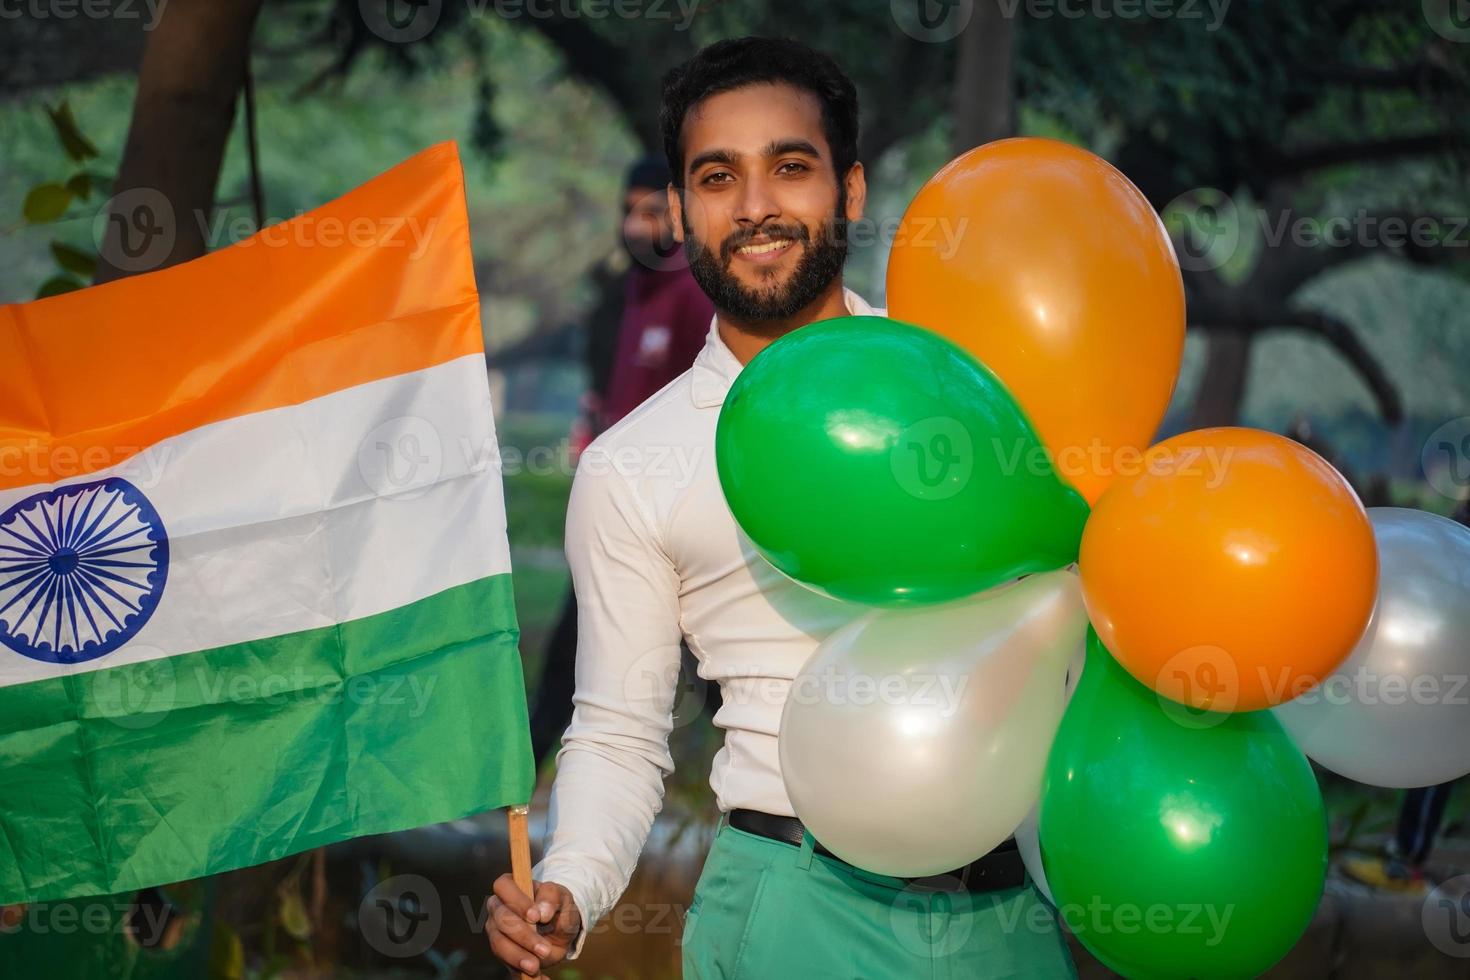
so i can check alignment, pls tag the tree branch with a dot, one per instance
(1366, 151)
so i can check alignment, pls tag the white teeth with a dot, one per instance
(761, 249)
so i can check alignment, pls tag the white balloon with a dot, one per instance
(913, 740)
(1028, 841)
(1397, 712)
(1028, 834)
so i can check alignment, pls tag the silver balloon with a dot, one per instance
(913, 740)
(1397, 712)
(1028, 834)
(1028, 842)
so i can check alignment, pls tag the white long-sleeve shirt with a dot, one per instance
(656, 556)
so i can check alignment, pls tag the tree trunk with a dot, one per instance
(984, 80)
(1222, 389)
(163, 202)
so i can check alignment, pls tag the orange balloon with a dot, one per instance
(1232, 570)
(1043, 261)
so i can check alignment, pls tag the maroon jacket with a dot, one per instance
(666, 319)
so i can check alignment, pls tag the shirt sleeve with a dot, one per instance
(614, 755)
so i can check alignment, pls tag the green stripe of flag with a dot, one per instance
(184, 766)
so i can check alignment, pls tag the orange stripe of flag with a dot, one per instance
(377, 283)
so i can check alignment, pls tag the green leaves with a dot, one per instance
(77, 146)
(74, 260)
(46, 203)
(57, 285)
(49, 202)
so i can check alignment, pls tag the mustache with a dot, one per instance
(795, 232)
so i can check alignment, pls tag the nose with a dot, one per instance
(756, 204)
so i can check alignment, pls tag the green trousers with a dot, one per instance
(765, 909)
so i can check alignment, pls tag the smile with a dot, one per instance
(765, 251)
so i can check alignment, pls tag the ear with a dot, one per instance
(857, 191)
(676, 212)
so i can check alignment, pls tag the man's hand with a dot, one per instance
(529, 936)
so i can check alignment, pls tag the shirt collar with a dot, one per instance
(716, 367)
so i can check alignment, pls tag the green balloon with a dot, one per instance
(1178, 843)
(877, 462)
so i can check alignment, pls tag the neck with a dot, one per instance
(747, 339)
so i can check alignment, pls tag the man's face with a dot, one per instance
(646, 229)
(764, 215)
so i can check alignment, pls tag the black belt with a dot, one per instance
(1001, 868)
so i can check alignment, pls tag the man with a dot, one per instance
(645, 331)
(761, 137)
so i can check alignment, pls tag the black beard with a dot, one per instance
(821, 262)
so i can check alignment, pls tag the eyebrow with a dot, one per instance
(775, 148)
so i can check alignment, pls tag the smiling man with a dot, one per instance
(761, 137)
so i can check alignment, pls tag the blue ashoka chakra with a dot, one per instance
(81, 570)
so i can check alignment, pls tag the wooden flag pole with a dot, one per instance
(520, 853)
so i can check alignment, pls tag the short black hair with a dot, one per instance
(738, 62)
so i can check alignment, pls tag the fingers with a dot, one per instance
(514, 940)
(506, 889)
(550, 900)
(512, 955)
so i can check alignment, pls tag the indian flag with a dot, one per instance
(255, 586)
